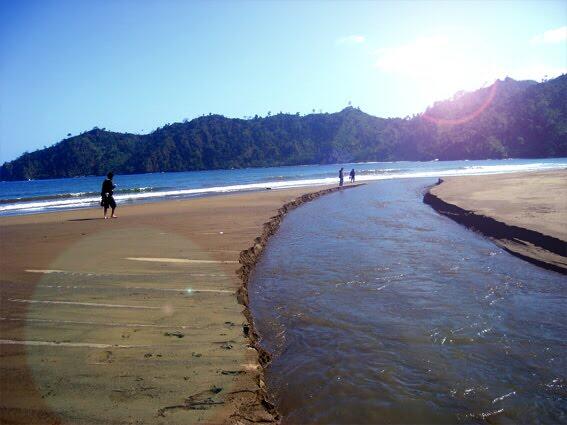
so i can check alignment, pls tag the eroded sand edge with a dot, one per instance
(524, 213)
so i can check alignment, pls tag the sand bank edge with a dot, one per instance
(501, 232)
(248, 259)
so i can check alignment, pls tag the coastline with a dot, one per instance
(79, 261)
(523, 213)
(39, 196)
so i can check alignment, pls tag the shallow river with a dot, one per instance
(379, 310)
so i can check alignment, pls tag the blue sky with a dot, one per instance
(67, 66)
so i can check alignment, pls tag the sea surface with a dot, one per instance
(25, 197)
(379, 310)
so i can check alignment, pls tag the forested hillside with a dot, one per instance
(508, 119)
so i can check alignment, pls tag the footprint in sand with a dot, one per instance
(203, 400)
(101, 357)
(232, 372)
(175, 334)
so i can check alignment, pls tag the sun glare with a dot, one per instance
(466, 117)
(440, 68)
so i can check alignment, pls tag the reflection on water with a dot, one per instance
(378, 310)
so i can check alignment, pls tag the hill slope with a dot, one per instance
(508, 119)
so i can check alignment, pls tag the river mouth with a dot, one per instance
(379, 310)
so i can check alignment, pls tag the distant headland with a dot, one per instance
(509, 119)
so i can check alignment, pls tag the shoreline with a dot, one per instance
(517, 213)
(59, 270)
(72, 194)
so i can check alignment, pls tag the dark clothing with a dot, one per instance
(341, 177)
(352, 174)
(108, 201)
(106, 193)
(107, 188)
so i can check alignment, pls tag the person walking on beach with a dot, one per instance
(341, 176)
(352, 174)
(106, 194)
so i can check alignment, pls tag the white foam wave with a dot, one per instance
(468, 171)
(91, 201)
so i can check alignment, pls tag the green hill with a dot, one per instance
(509, 119)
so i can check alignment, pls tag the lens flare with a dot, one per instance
(462, 120)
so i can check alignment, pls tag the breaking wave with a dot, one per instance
(365, 172)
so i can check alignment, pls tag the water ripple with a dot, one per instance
(381, 311)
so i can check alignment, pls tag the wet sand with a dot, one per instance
(136, 319)
(525, 213)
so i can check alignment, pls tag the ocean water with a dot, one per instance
(35, 196)
(379, 310)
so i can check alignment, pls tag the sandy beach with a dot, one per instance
(142, 319)
(136, 319)
(525, 213)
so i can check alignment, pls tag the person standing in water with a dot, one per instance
(341, 176)
(107, 193)
(352, 174)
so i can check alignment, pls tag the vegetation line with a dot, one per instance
(510, 119)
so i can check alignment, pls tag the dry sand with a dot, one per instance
(525, 213)
(131, 320)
